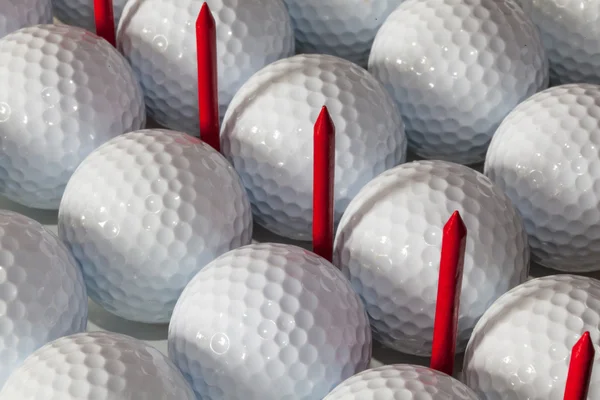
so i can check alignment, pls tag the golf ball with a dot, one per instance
(401, 382)
(42, 292)
(145, 212)
(570, 32)
(343, 28)
(81, 12)
(456, 68)
(17, 14)
(269, 321)
(267, 135)
(99, 366)
(65, 91)
(158, 38)
(521, 347)
(544, 156)
(389, 240)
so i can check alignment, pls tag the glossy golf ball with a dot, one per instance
(269, 321)
(158, 37)
(521, 347)
(267, 135)
(99, 366)
(338, 27)
(17, 14)
(456, 68)
(65, 91)
(388, 244)
(570, 32)
(144, 213)
(544, 156)
(401, 382)
(42, 292)
(81, 12)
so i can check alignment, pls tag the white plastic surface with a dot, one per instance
(42, 292)
(570, 32)
(64, 92)
(267, 135)
(456, 68)
(389, 240)
(145, 212)
(158, 37)
(544, 156)
(401, 382)
(99, 366)
(17, 14)
(343, 28)
(521, 347)
(269, 322)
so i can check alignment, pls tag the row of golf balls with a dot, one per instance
(141, 204)
(272, 321)
(457, 73)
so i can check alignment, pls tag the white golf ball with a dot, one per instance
(570, 32)
(269, 321)
(389, 240)
(17, 14)
(343, 28)
(521, 347)
(144, 213)
(65, 91)
(158, 38)
(456, 68)
(401, 382)
(42, 292)
(544, 156)
(267, 135)
(81, 12)
(99, 366)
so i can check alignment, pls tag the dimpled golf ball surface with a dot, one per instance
(544, 156)
(16, 14)
(158, 38)
(401, 382)
(521, 347)
(144, 213)
(268, 136)
(64, 92)
(456, 68)
(570, 32)
(81, 12)
(338, 27)
(389, 242)
(42, 292)
(269, 321)
(99, 366)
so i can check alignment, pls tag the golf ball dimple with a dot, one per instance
(158, 37)
(544, 156)
(521, 346)
(267, 135)
(401, 382)
(343, 28)
(388, 245)
(99, 366)
(145, 212)
(42, 292)
(81, 12)
(65, 91)
(456, 68)
(17, 14)
(269, 321)
(570, 32)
